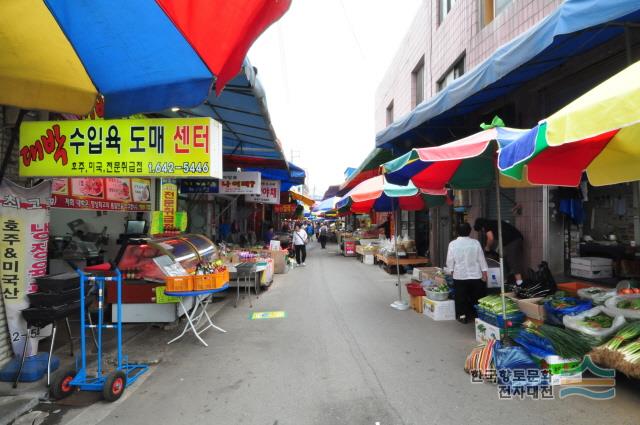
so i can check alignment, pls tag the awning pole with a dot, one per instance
(399, 304)
(500, 253)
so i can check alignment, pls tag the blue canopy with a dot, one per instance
(249, 139)
(574, 28)
(294, 176)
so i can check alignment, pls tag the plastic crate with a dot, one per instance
(203, 282)
(415, 289)
(221, 279)
(179, 283)
(514, 320)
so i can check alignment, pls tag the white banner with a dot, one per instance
(24, 238)
(240, 183)
(270, 193)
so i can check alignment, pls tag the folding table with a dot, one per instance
(202, 299)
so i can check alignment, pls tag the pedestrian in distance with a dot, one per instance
(299, 244)
(309, 230)
(465, 260)
(323, 234)
(269, 236)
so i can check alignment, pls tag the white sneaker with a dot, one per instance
(303, 265)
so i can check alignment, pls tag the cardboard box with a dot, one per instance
(486, 331)
(368, 259)
(439, 310)
(416, 303)
(422, 273)
(529, 307)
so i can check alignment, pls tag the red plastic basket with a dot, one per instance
(415, 289)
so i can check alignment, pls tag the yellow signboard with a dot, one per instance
(166, 147)
(168, 204)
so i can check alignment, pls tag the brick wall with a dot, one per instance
(441, 45)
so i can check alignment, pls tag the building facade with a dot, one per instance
(447, 39)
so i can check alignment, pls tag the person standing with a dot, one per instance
(269, 236)
(322, 235)
(465, 260)
(299, 244)
(309, 231)
(512, 241)
(386, 226)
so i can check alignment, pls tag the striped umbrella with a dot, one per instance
(597, 133)
(467, 163)
(140, 55)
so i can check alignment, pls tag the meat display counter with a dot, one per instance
(145, 263)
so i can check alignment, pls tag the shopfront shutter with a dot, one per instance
(5, 346)
(507, 202)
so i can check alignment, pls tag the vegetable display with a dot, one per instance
(493, 304)
(598, 321)
(443, 287)
(566, 343)
(630, 331)
(631, 304)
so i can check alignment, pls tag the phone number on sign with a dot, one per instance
(186, 167)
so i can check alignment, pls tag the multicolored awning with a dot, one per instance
(597, 133)
(302, 198)
(370, 167)
(468, 163)
(141, 56)
(379, 195)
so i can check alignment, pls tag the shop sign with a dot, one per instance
(198, 186)
(286, 208)
(240, 183)
(168, 204)
(166, 147)
(24, 238)
(270, 193)
(102, 194)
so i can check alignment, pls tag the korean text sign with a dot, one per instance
(166, 147)
(240, 183)
(24, 238)
(102, 194)
(270, 193)
(168, 203)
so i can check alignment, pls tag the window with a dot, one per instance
(417, 84)
(390, 114)
(491, 9)
(455, 72)
(444, 9)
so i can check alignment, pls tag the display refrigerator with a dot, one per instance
(145, 264)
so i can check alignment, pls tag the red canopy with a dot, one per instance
(222, 31)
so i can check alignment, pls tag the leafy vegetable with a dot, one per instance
(567, 343)
(628, 332)
(631, 304)
(598, 321)
(493, 304)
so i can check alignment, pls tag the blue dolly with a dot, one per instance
(114, 383)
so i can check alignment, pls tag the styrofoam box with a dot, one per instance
(591, 262)
(486, 331)
(591, 274)
(368, 259)
(439, 310)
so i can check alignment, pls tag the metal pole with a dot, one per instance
(395, 233)
(500, 253)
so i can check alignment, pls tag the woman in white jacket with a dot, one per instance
(299, 244)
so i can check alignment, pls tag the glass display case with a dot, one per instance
(144, 261)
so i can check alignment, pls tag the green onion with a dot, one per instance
(628, 332)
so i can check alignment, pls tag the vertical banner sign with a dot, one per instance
(168, 203)
(164, 147)
(24, 237)
(270, 193)
(240, 183)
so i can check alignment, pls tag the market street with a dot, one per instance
(341, 356)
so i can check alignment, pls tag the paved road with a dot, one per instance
(341, 356)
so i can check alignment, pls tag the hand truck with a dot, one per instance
(114, 383)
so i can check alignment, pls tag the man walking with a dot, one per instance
(322, 235)
(299, 244)
(465, 260)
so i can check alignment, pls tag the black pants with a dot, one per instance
(323, 241)
(301, 253)
(467, 294)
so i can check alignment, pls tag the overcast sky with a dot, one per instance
(320, 66)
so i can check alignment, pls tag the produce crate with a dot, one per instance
(513, 319)
(416, 304)
(486, 331)
(220, 279)
(203, 282)
(571, 288)
(179, 283)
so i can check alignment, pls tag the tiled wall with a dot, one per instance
(441, 45)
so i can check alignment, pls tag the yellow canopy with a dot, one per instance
(39, 68)
(609, 106)
(300, 197)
